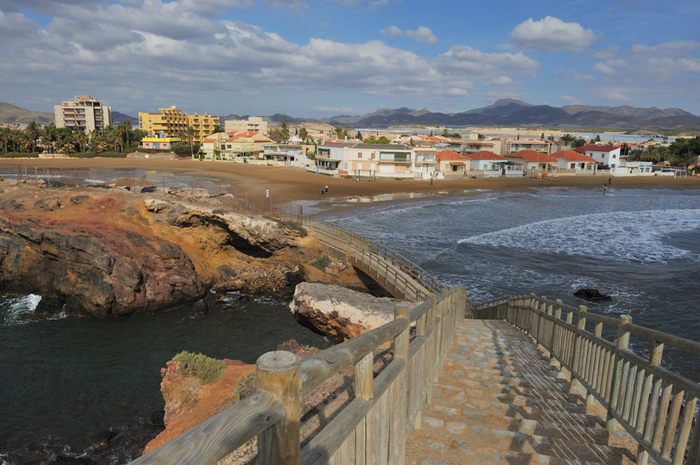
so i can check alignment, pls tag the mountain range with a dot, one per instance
(505, 112)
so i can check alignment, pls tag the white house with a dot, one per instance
(485, 160)
(602, 154)
(424, 161)
(289, 154)
(359, 159)
(571, 160)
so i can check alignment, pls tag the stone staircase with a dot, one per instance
(498, 400)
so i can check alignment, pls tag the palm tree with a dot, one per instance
(189, 134)
(567, 139)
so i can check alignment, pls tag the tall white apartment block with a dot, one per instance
(84, 113)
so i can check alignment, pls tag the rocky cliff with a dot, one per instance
(116, 253)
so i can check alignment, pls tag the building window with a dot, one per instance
(359, 154)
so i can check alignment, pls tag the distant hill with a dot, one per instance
(119, 118)
(12, 114)
(509, 112)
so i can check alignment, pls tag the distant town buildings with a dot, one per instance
(84, 113)
(252, 124)
(170, 122)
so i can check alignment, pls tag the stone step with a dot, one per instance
(550, 426)
(426, 451)
(478, 392)
(498, 383)
(506, 377)
(460, 398)
(515, 441)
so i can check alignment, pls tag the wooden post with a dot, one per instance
(576, 364)
(278, 375)
(623, 340)
(655, 356)
(554, 345)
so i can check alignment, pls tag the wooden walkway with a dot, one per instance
(498, 400)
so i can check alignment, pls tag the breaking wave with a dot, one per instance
(14, 310)
(638, 236)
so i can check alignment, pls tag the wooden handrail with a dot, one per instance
(655, 405)
(220, 435)
(398, 392)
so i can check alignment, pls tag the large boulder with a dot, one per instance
(591, 295)
(340, 313)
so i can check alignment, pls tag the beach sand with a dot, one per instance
(288, 184)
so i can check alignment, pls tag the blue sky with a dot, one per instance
(310, 58)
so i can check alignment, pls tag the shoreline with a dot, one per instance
(288, 185)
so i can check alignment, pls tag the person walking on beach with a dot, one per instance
(605, 189)
(326, 188)
(609, 181)
(431, 180)
(267, 193)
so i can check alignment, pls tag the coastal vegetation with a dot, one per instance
(206, 369)
(683, 152)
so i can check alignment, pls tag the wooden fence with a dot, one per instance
(656, 406)
(401, 277)
(374, 426)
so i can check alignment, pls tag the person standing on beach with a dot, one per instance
(609, 181)
(326, 188)
(267, 193)
(605, 189)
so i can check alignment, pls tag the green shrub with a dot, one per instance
(98, 155)
(321, 262)
(19, 155)
(333, 314)
(206, 369)
(245, 385)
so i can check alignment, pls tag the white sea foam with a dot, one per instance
(624, 236)
(16, 309)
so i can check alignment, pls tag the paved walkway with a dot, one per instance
(498, 400)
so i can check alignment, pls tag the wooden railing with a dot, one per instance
(656, 406)
(374, 426)
(401, 277)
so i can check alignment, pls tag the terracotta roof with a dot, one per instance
(479, 142)
(532, 155)
(570, 155)
(209, 141)
(484, 155)
(596, 148)
(450, 155)
(457, 163)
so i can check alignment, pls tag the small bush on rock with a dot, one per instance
(245, 386)
(206, 369)
(321, 262)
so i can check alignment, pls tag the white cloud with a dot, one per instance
(552, 34)
(296, 6)
(452, 92)
(568, 99)
(500, 81)
(603, 68)
(465, 61)
(609, 53)
(392, 31)
(336, 110)
(423, 35)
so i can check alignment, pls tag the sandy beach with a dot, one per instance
(293, 184)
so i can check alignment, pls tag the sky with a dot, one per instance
(317, 59)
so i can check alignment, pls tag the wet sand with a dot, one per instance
(294, 184)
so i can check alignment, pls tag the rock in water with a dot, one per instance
(592, 295)
(339, 313)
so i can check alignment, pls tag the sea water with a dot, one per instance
(67, 381)
(640, 246)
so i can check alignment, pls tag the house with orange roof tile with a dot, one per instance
(485, 160)
(572, 160)
(450, 162)
(531, 160)
(360, 159)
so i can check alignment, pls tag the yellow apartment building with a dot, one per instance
(170, 121)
